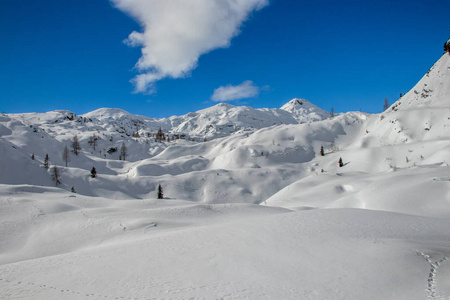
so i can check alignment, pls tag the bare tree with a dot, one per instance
(56, 177)
(75, 145)
(65, 155)
(332, 113)
(93, 141)
(386, 103)
(333, 147)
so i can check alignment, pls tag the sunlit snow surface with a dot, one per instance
(255, 214)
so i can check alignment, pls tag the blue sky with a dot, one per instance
(343, 54)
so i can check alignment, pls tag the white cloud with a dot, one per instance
(135, 39)
(235, 92)
(177, 32)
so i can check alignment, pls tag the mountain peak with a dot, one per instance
(105, 112)
(305, 111)
(297, 101)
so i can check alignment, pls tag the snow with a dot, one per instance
(304, 111)
(432, 90)
(253, 212)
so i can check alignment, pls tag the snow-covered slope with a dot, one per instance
(408, 145)
(433, 90)
(256, 211)
(66, 246)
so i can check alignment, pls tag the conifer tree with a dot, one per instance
(160, 192)
(75, 145)
(32, 156)
(93, 172)
(55, 175)
(322, 153)
(341, 163)
(123, 152)
(65, 155)
(46, 161)
(160, 135)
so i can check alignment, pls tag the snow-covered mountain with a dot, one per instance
(217, 121)
(432, 91)
(261, 209)
(304, 111)
(224, 119)
(252, 140)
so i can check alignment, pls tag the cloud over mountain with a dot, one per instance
(235, 92)
(175, 33)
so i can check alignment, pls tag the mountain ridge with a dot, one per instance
(213, 122)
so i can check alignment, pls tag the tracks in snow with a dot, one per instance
(34, 287)
(432, 281)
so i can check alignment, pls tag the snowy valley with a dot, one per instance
(252, 209)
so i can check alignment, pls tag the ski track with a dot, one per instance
(33, 287)
(432, 276)
(164, 287)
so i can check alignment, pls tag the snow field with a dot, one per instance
(159, 249)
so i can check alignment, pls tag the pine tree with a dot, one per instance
(322, 153)
(46, 161)
(123, 152)
(160, 135)
(75, 145)
(55, 175)
(65, 155)
(93, 172)
(160, 192)
(72, 190)
(341, 163)
(32, 156)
